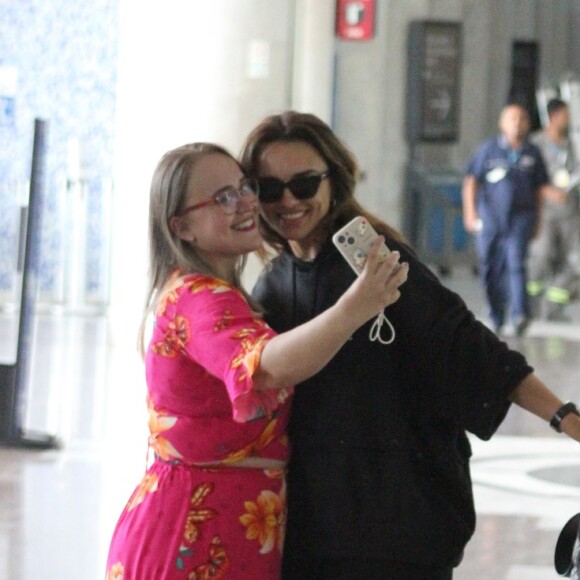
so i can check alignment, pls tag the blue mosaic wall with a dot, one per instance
(64, 56)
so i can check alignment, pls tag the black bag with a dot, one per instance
(567, 554)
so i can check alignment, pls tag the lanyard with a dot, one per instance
(514, 156)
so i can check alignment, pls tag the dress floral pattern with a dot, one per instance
(195, 515)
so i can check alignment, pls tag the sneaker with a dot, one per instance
(496, 327)
(520, 325)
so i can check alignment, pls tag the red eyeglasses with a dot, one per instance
(228, 198)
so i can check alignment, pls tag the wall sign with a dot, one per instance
(355, 20)
(524, 74)
(433, 81)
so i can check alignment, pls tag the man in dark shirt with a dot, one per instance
(501, 203)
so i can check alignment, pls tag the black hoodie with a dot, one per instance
(380, 459)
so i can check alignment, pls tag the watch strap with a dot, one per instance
(559, 415)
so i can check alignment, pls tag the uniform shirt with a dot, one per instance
(508, 180)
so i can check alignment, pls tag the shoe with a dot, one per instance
(520, 325)
(494, 325)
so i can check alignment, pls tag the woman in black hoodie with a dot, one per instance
(379, 483)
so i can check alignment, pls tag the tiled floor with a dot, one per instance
(58, 508)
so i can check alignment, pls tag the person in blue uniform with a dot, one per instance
(502, 192)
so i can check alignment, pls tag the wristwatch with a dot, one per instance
(564, 410)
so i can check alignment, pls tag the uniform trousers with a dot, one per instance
(502, 255)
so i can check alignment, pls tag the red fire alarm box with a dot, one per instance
(355, 19)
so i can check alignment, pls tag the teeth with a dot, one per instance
(292, 216)
(245, 224)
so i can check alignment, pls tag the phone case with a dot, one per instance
(354, 240)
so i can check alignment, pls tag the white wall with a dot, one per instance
(189, 71)
(313, 70)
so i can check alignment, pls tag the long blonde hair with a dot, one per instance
(292, 126)
(167, 251)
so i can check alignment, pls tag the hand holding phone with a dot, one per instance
(354, 241)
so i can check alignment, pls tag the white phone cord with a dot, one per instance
(375, 331)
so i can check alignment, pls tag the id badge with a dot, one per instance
(562, 178)
(496, 174)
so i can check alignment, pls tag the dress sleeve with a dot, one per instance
(216, 328)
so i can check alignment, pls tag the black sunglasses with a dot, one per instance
(301, 186)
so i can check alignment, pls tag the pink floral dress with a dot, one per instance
(195, 515)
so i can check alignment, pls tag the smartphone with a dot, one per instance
(354, 241)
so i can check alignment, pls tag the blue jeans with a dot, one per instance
(502, 255)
